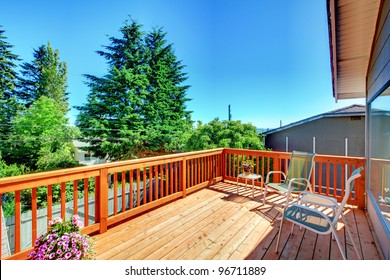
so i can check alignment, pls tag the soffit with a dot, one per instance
(352, 29)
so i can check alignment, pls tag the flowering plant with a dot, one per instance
(63, 241)
(247, 166)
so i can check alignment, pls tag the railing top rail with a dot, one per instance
(318, 157)
(87, 169)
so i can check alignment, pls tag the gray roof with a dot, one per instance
(349, 111)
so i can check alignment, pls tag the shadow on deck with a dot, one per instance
(216, 223)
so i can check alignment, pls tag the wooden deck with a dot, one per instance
(216, 223)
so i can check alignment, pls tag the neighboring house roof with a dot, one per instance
(349, 111)
(79, 144)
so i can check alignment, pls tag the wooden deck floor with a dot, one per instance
(216, 223)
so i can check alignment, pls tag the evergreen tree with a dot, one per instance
(8, 100)
(139, 106)
(165, 115)
(111, 119)
(44, 76)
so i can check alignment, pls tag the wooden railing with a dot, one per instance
(113, 192)
(328, 176)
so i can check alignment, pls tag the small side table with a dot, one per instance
(252, 177)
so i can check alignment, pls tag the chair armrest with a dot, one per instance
(319, 200)
(273, 172)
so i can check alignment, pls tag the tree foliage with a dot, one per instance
(8, 98)
(41, 139)
(165, 114)
(224, 134)
(139, 105)
(46, 76)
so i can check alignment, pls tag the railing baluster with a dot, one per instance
(131, 189)
(171, 177)
(150, 183)
(144, 183)
(34, 215)
(115, 193)
(97, 199)
(166, 180)
(86, 202)
(63, 200)
(49, 203)
(138, 188)
(327, 166)
(161, 172)
(320, 178)
(183, 177)
(343, 175)
(75, 197)
(17, 221)
(123, 180)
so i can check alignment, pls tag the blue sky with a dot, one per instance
(268, 59)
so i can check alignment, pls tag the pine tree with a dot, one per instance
(166, 118)
(44, 76)
(8, 100)
(139, 107)
(111, 119)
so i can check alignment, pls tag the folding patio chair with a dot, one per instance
(297, 179)
(318, 221)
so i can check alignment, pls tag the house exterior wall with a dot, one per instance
(379, 69)
(329, 133)
(378, 84)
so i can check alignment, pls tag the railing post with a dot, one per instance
(184, 177)
(361, 191)
(103, 200)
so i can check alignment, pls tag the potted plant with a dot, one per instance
(247, 167)
(63, 241)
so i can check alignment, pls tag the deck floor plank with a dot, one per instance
(147, 220)
(290, 251)
(369, 249)
(216, 223)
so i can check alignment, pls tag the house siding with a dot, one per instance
(378, 78)
(379, 69)
(329, 133)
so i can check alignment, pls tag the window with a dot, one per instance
(87, 157)
(379, 152)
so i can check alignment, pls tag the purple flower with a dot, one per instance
(62, 241)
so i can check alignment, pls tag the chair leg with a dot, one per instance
(264, 193)
(287, 200)
(350, 236)
(338, 242)
(279, 234)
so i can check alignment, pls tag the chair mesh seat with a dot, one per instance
(308, 218)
